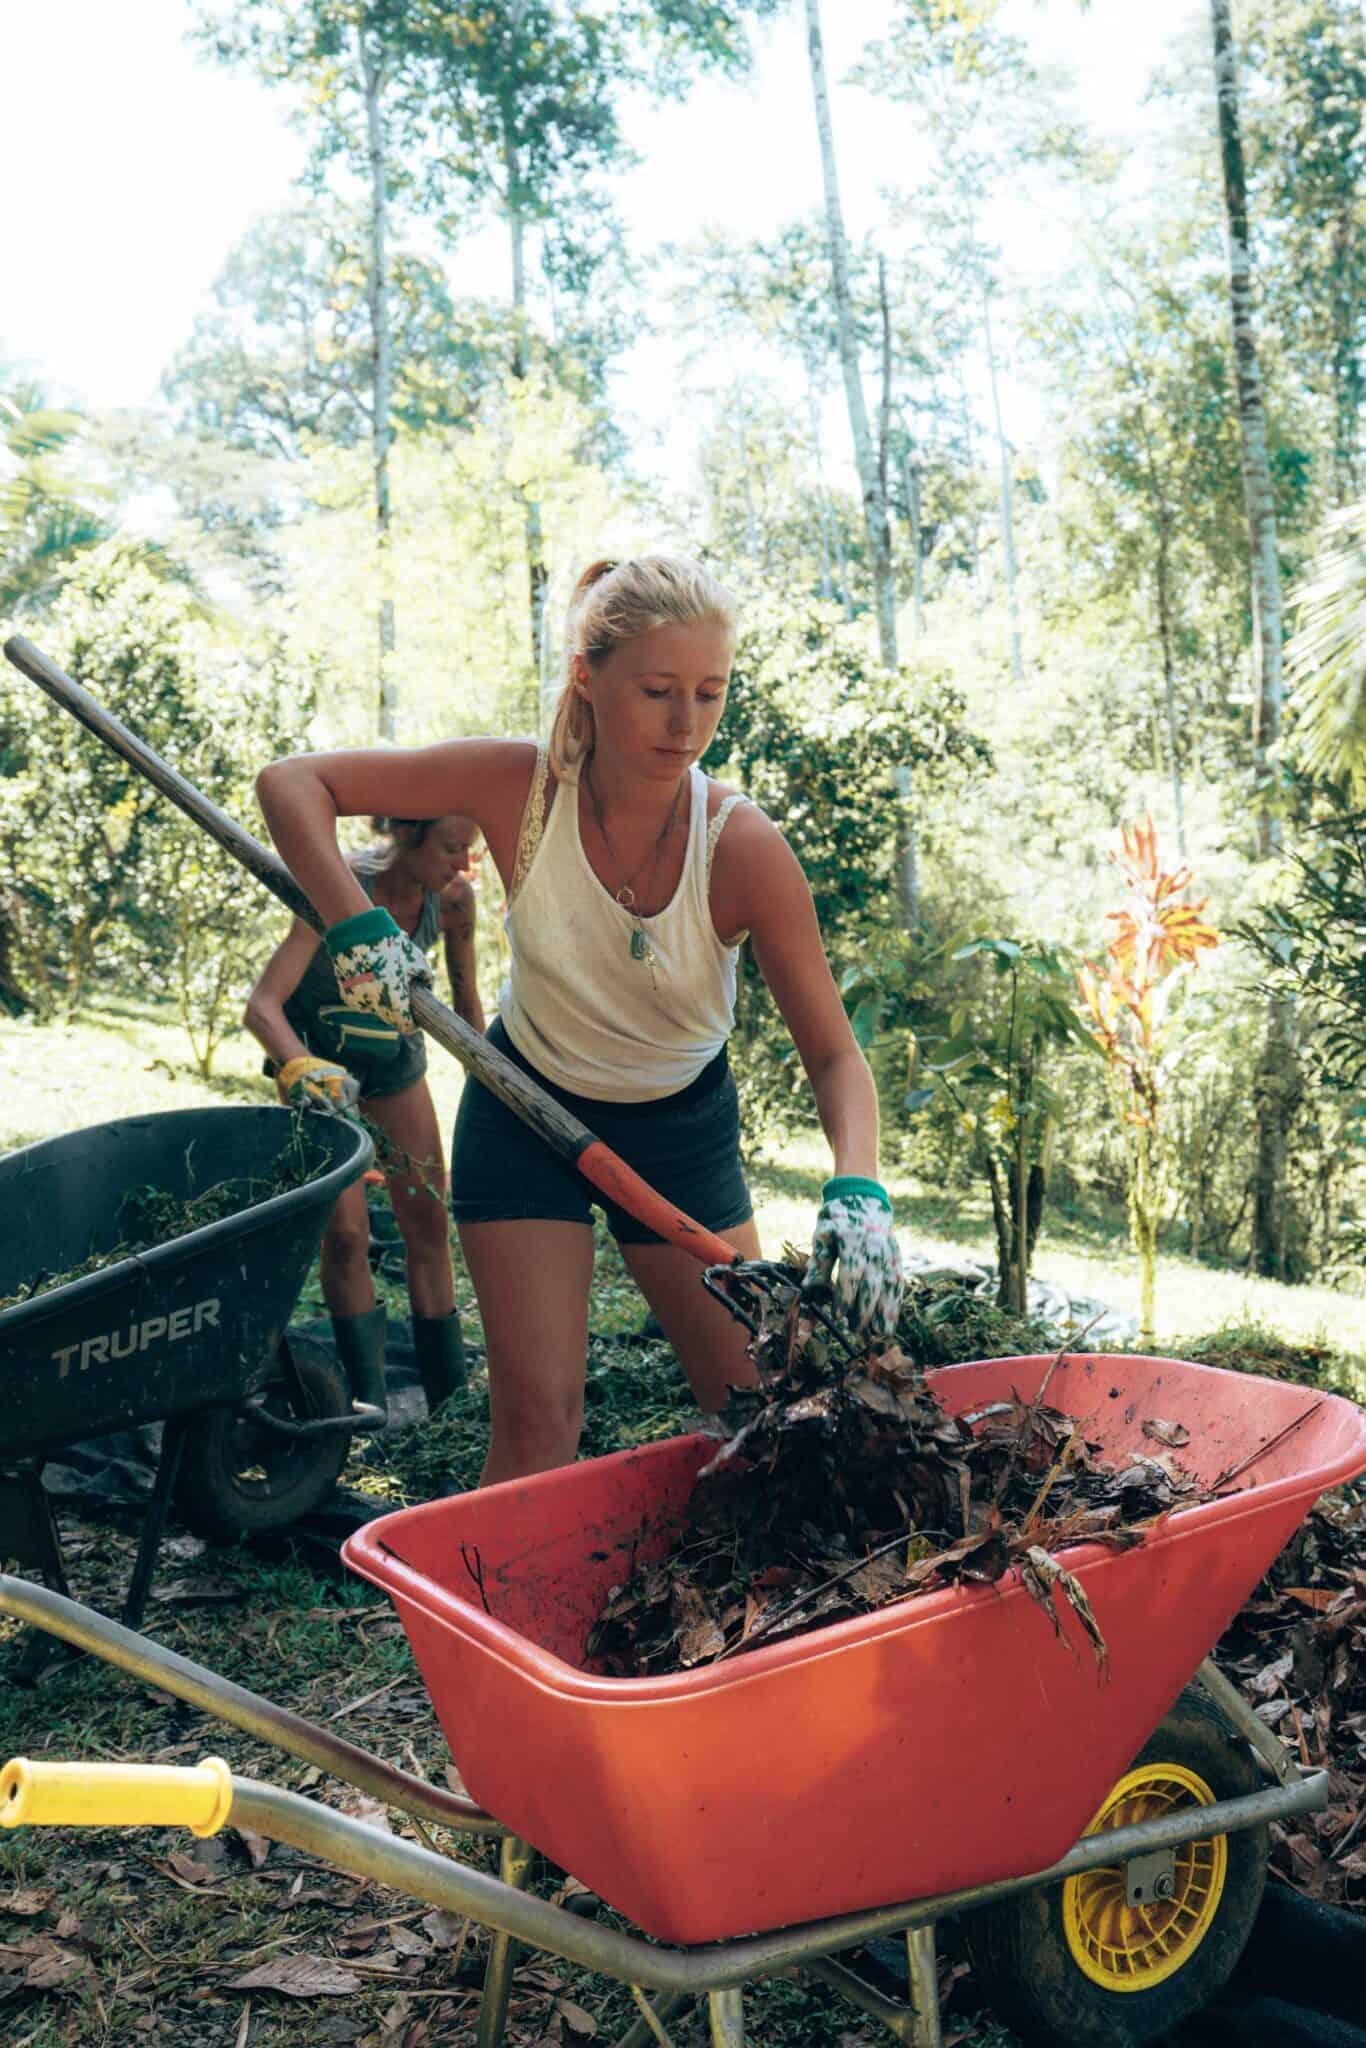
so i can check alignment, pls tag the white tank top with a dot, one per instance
(576, 1003)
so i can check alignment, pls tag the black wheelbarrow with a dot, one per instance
(190, 1333)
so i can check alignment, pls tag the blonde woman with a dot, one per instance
(632, 878)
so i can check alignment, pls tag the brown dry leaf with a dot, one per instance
(68, 1927)
(258, 1847)
(51, 1967)
(442, 1929)
(1270, 1679)
(407, 1942)
(1317, 1597)
(581, 2025)
(372, 1812)
(299, 1977)
(882, 1578)
(190, 1869)
(1173, 1434)
(456, 1782)
(26, 1905)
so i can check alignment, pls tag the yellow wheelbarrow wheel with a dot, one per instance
(1131, 1947)
(1092, 1963)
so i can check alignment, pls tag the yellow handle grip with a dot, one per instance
(44, 1795)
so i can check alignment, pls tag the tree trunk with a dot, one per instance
(910, 478)
(537, 574)
(1278, 1080)
(1267, 629)
(1007, 521)
(865, 456)
(871, 469)
(1164, 625)
(381, 360)
(1348, 373)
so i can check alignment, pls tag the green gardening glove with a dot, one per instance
(376, 966)
(854, 1235)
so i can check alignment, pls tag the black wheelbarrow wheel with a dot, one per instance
(238, 1479)
(1081, 1961)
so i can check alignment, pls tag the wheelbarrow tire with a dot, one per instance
(236, 1480)
(1025, 1951)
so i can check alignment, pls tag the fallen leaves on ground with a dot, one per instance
(1298, 1652)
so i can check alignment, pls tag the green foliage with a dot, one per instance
(50, 510)
(115, 884)
(1326, 658)
(1312, 934)
(1253, 1347)
(816, 731)
(286, 352)
(987, 1023)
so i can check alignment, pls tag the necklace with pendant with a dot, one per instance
(625, 895)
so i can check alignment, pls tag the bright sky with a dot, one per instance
(132, 167)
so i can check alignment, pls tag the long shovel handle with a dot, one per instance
(573, 1141)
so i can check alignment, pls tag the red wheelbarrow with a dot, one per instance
(1103, 1839)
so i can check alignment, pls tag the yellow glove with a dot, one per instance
(311, 1083)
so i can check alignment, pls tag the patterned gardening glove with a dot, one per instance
(311, 1083)
(854, 1233)
(376, 966)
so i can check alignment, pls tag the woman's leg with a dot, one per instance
(417, 1190)
(347, 1287)
(532, 1279)
(709, 1343)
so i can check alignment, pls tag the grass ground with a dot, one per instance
(144, 1937)
(125, 1058)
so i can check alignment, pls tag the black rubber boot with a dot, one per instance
(360, 1347)
(440, 1350)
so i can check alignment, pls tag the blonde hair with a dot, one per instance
(618, 601)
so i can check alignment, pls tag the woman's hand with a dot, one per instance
(377, 966)
(311, 1083)
(854, 1255)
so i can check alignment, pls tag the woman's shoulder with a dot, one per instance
(747, 824)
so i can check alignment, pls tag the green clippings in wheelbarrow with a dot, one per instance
(185, 1325)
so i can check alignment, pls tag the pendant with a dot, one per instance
(640, 947)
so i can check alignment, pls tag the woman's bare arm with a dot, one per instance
(265, 1016)
(758, 885)
(303, 797)
(459, 908)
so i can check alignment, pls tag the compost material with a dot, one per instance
(844, 1486)
(152, 1216)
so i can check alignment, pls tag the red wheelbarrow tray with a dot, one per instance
(945, 1741)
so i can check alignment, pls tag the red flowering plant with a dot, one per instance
(1126, 1005)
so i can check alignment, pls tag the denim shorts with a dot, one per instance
(686, 1145)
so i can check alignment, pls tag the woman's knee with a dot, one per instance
(536, 1418)
(346, 1241)
(422, 1220)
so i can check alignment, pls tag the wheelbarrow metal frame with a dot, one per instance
(717, 1971)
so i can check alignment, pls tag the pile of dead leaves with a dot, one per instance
(1298, 1653)
(844, 1485)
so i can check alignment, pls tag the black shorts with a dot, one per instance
(686, 1145)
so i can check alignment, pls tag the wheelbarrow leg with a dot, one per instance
(728, 2019)
(923, 1973)
(514, 1867)
(154, 1521)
